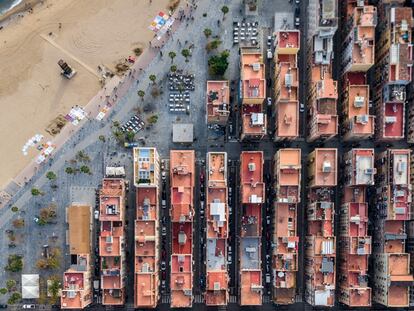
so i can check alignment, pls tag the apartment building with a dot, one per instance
(358, 33)
(252, 194)
(393, 68)
(355, 245)
(392, 276)
(112, 241)
(77, 279)
(357, 56)
(286, 90)
(355, 98)
(146, 180)
(320, 242)
(287, 169)
(322, 89)
(218, 102)
(252, 93)
(217, 233)
(182, 178)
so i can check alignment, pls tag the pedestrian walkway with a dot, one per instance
(233, 299)
(165, 299)
(198, 299)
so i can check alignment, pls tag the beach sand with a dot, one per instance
(32, 91)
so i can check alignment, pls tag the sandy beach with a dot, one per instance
(86, 34)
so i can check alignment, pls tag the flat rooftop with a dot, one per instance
(288, 39)
(288, 78)
(253, 75)
(79, 220)
(325, 167)
(146, 202)
(217, 213)
(254, 123)
(393, 119)
(289, 167)
(217, 169)
(216, 255)
(400, 166)
(218, 98)
(145, 165)
(251, 288)
(181, 281)
(358, 109)
(250, 253)
(251, 175)
(365, 21)
(364, 166)
(182, 238)
(287, 119)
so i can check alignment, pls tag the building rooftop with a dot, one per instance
(254, 123)
(393, 120)
(358, 109)
(287, 119)
(288, 78)
(251, 288)
(80, 221)
(399, 166)
(217, 169)
(287, 41)
(251, 174)
(324, 167)
(289, 167)
(218, 100)
(181, 281)
(253, 75)
(401, 58)
(363, 166)
(145, 167)
(217, 287)
(363, 33)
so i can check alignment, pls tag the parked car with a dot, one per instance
(96, 214)
(164, 231)
(29, 306)
(163, 175)
(301, 107)
(3, 306)
(269, 40)
(269, 54)
(297, 17)
(163, 266)
(269, 101)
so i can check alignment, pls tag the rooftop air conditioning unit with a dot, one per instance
(256, 66)
(390, 119)
(359, 101)
(288, 80)
(252, 167)
(326, 167)
(370, 171)
(109, 239)
(363, 119)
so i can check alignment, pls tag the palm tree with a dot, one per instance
(173, 68)
(51, 175)
(185, 53)
(141, 94)
(172, 55)
(225, 10)
(207, 32)
(153, 78)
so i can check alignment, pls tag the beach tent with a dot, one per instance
(30, 286)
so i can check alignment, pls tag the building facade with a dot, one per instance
(392, 276)
(252, 94)
(147, 182)
(112, 241)
(286, 90)
(320, 242)
(77, 279)
(252, 194)
(287, 169)
(393, 68)
(217, 233)
(355, 244)
(182, 178)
